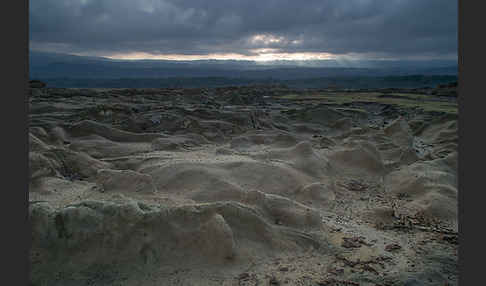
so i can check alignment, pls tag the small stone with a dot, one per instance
(243, 276)
(392, 247)
(274, 281)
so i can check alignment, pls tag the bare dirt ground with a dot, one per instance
(242, 186)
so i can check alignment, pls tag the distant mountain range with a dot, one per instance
(44, 65)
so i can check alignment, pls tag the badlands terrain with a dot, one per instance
(255, 185)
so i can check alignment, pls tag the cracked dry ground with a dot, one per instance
(239, 186)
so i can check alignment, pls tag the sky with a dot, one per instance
(260, 30)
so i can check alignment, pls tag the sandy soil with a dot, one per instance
(241, 186)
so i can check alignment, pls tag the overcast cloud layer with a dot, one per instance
(388, 28)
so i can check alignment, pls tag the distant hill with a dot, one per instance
(417, 81)
(53, 65)
(63, 70)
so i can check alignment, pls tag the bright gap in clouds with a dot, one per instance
(260, 50)
(260, 55)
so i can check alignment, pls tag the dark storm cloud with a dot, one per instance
(387, 27)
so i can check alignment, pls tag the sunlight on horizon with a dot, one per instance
(262, 55)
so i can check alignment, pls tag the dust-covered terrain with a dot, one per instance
(257, 185)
